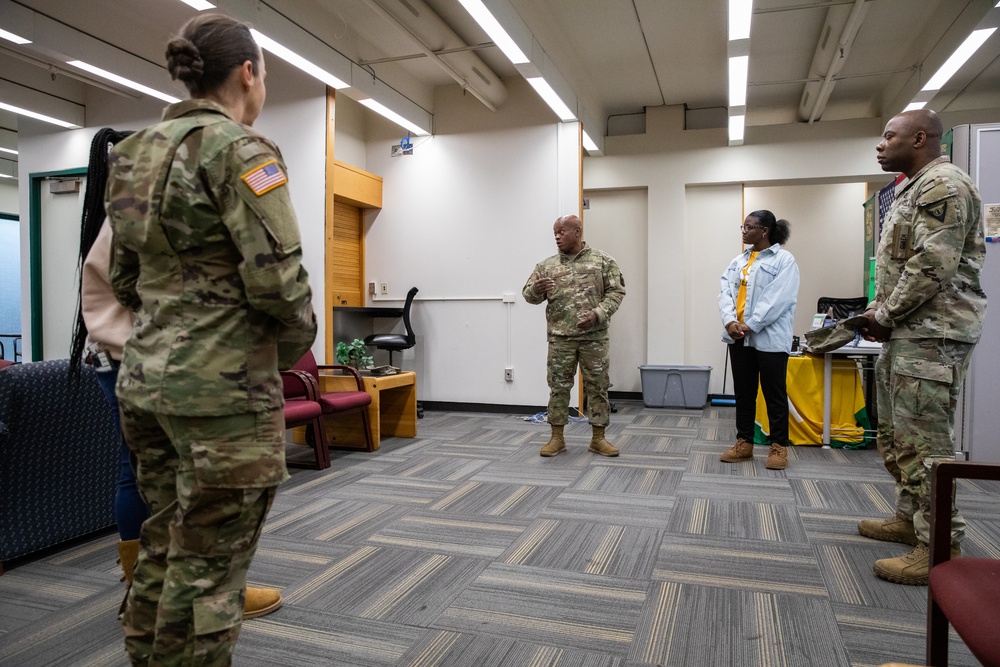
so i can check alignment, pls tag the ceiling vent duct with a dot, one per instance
(432, 35)
(839, 32)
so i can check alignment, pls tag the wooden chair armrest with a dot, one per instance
(307, 380)
(353, 371)
(943, 476)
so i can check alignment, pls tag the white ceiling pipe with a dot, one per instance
(836, 62)
(428, 26)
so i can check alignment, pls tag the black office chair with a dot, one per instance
(392, 341)
(842, 307)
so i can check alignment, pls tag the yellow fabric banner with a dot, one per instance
(848, 417)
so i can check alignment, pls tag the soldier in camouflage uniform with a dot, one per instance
(206, 252)
(584, 288)
(928, 311)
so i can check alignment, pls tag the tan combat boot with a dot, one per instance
(893, 529)
(556, 443)
(128, 554)
(741, 451)
(600, 445)
(777, 457)
(260, 601)
(910, 569)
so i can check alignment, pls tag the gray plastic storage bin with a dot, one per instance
(675, 386)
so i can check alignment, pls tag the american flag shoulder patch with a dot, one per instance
(265, 178)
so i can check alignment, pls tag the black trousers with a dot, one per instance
(750, 367)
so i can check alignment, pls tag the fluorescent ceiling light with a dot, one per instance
(740, 12)
(200, 5)
(738, 80)
(128, 83)
(496, 32)
(11, 37)
(7, 176)
(588, 143)
(736, 127)
(37, 116)
(913, 106)
(957, 59)
(8, 150)
(290, 56)
(394, 117)
(546, 92)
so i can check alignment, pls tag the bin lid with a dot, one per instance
(674, 368)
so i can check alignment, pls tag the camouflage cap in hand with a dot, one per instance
(835, 336)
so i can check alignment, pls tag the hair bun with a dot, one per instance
(184, 61)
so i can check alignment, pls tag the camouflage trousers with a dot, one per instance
(592, 357)
(209, 496)
(917, 382)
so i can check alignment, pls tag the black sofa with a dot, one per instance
(58, 457)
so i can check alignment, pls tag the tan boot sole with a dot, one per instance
(899, 579)
(558, 451)
(888, 537)
(597, 451)
(257, 613)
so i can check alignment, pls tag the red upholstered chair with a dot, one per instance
(964, 592)
(302, 408)
(340, 401)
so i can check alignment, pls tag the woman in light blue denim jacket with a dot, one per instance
(757, 305)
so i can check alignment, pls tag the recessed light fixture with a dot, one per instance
(588, 143)
(128, 83)
(386, 112)
(738, 80)
(496, 32)
(200, 5)
(736, 128)
(547, 93)
(290, 56)
(740, 13)
(37, 116)
(11, 37)
(958, 58)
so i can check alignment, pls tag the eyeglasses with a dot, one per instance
(748, 228)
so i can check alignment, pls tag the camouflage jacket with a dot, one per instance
(929, 258)
(206, 251)
(589, 281)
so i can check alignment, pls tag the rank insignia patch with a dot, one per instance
(939, 211)
(265, 178)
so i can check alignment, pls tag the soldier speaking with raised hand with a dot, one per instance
(583, 288)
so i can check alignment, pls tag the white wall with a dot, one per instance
(293, 116)
(465, 219)
(616, 224)
(828, 238)
(8, 196)
(669, 160)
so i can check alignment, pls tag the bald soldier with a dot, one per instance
(928, 312)
(583, 288)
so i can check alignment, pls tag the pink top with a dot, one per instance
(108, 322)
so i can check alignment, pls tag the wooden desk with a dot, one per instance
(393, 410)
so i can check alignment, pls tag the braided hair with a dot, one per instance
(90, 227)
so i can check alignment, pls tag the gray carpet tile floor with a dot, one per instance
(462, 547)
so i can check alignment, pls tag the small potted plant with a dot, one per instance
(354, 354)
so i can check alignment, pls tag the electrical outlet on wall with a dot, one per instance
(384, 289)
(508, 374)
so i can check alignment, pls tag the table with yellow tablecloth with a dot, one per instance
(849, 425)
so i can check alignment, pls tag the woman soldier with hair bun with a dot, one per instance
(757, 306)
(206, 253)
